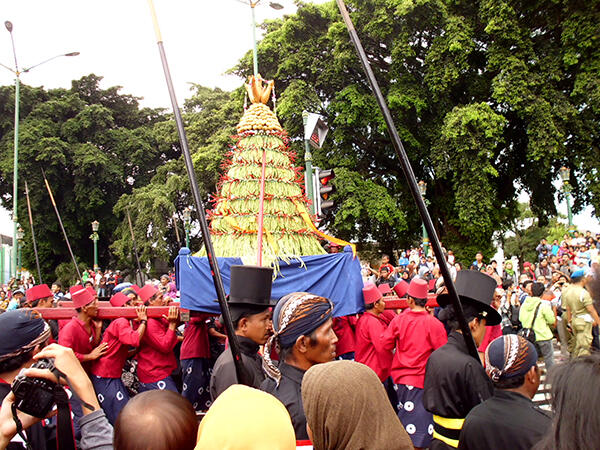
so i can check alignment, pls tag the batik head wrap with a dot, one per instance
(296, 314)
(509, 356)
(20, 331)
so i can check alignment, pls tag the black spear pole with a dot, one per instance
(62, 227)
(412, 181)
(37, 259)
(134, 247)
(242, 375)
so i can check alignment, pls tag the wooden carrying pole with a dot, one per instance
(412, 181)
(243, 376)
(62, 226)
(37, 259)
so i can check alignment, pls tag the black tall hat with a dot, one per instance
(476, 289)
(251, 286)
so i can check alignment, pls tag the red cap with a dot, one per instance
(418, 288)
(75, 288)
(401, 288)
(82, 297)
(38, 292)
(92, 291)
(526, 264)
(136, 288)
(119, 299)
(147, 292)
(371, 293)
(384, 288)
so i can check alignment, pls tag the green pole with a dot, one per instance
(255, 51)
(16, 170)
(569, 211)
(20, 268)
(10, 252)
(309, 170)
(96, 252)
(2, 264)
(187, 237)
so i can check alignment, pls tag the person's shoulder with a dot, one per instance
(268, 385)
(224, 358)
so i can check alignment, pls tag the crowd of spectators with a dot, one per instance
(147, 382)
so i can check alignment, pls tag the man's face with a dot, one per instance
(92, 309)
(385, 259)
(565, 259)
(45, 302)
(479, 257)
(257, 327)
(324, 349)
(55, 288)
(379, 306)
(478, 330)
(385, 273)
(158, 299)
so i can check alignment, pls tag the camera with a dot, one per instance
(35, 396)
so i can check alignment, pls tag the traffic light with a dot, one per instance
(323, 191)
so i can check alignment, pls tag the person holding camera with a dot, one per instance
(62, 367)
(23, 334)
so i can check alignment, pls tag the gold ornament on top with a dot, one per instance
(259, 117)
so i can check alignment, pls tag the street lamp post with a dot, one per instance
(95, 237)
(253, 4)
(18, 72)
(187, 220)
(423, 191)
(565, 174)
(20, 236)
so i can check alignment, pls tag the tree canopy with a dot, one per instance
(490, 98)
(94, 145)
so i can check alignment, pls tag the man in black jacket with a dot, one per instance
(304, 336)
(509, 419)
(455, 382)
(249, 301)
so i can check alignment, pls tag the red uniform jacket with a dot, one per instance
(156, 359)
(195, 338)
(344, 330)
(415, 334)
(369, 350)
(75, 336)
(491, 333)
(119, 336)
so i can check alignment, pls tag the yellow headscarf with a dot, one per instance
(246, 418)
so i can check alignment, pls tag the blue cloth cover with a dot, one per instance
(335, 276)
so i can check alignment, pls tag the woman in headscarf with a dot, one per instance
(346, 407)
(246, 418)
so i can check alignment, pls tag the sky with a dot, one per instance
(115, 38)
